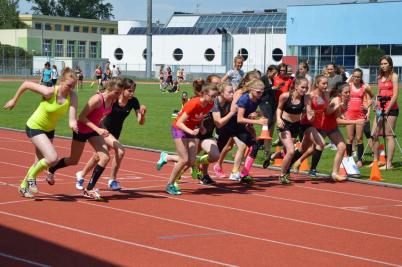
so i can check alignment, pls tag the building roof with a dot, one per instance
(32, 17)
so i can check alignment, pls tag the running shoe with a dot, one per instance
(196, 173)
(176, 184)
(114, 185)
(162, 161)
(94, 194)
(33, 188)
(206, 179)
(79, 184)
(234, 176)
(50, 178)
(284, 179)
(171, 189)
(218, 171)
(24, 191)
(248, 179)
(312, 173)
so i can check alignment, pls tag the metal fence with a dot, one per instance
(16, 67)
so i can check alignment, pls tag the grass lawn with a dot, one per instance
(156, 131)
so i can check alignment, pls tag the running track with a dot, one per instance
(264, 224)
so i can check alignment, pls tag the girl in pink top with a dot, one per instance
(388, 94)
(89, 129)
(356, 111)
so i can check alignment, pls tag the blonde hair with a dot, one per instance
(252, 84)
(223, 86)
(114, 83)
(68, 73)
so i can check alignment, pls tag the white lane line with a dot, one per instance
(23, 260)
(109, 238)
(242, 235)
(261, 213)
(347, 193)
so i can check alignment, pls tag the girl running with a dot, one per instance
(41, 125)
(185, 129)
(290, 107)
(355, 111)
(89, 128)
(114, 123)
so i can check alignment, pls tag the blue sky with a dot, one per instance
(163, 9)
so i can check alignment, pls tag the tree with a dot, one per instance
(9, 18)
(370, 56)
(88, 9)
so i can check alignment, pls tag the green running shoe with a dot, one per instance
(171, 189)
(247, 179)
(196, 173)
(284, 179)
(162, 161)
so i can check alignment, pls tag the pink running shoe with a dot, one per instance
(218, 171)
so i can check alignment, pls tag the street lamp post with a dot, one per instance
(149, 40)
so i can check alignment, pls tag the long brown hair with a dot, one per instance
(387, 74)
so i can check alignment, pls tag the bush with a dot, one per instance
(370, 56)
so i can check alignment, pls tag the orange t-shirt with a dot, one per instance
(195, 113)
(277, 81)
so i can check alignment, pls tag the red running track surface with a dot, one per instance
(264, 224)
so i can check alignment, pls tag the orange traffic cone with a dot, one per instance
(375, 174)
(264, 134)
(278, 160)
(382, 160)
(305, 166)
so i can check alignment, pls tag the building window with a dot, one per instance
(386, 49)
(70, 48)
(85, 29)
(67, 28)
(59, 48)
(93, 50)
(47, 47)
(48, 27)
(81, 49)
(396, 50)
(350, 50)
(38, 26)
(118, 53)
(57, 27)
(326, 50)
(111, 31)
(209, 54)
(94, 29)
(76, 28)
(103, 30)
(144, 54)
(243, 53)
(277, 54)
(178, 54)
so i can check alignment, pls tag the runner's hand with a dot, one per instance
(10, 104)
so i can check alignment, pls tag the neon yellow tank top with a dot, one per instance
(48, 113)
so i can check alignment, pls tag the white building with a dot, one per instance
(202, 43)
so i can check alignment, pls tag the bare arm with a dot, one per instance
(45, 91)
(72, 114)
(140, 113)
(279, 110)
(368, 90)
(395, 90)
(224, 78)
(241, 119)
(219, 121)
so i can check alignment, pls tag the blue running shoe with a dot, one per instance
(80, 184)
(313, 173)
(171, 189)
(114, 185)
(162, 161)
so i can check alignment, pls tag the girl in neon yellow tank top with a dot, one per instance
(41, 125)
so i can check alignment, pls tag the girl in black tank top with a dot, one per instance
(288, 117)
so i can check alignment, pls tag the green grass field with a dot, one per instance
(156, 131)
